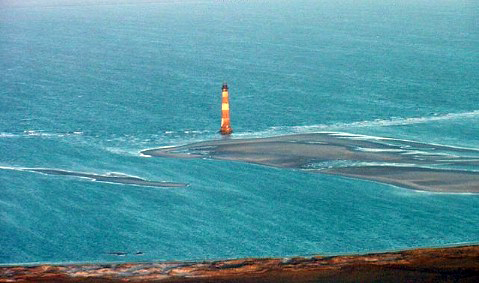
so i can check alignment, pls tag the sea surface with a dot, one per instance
(86, 85)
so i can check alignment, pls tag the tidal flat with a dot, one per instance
(408, 164)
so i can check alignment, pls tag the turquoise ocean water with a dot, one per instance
(86, 85)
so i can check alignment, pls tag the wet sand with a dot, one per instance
(454, 264)
(408, 164)
(416, 178)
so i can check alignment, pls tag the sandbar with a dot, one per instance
(107, 178)
(408, 164)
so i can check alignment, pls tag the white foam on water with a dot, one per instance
(7, 135)
(352, 163)
(12, 168)
(419, 192)
(388, 164)
(46, 134)
(459, 159)
(355, 136)
(121, 151)
(410, 120)
(31, 133)
(119, 174)
(395, 121)
(164, 147)
(364, 149)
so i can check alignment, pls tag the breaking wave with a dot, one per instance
(395, 121)
(7, 135)
(392, 122)
(39, 133)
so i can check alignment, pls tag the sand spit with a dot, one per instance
(408, 164)
(454, 264)
(108, 178)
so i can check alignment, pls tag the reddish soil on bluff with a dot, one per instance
(454, 264)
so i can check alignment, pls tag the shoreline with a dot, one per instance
(446, 264)
(407, 164)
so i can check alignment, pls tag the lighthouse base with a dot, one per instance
(226, 131)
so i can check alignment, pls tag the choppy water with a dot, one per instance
(85, 87)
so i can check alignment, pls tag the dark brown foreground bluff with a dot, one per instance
(454, 264)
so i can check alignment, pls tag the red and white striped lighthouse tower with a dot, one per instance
(225, 112)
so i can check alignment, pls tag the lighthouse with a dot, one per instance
(225, 112)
